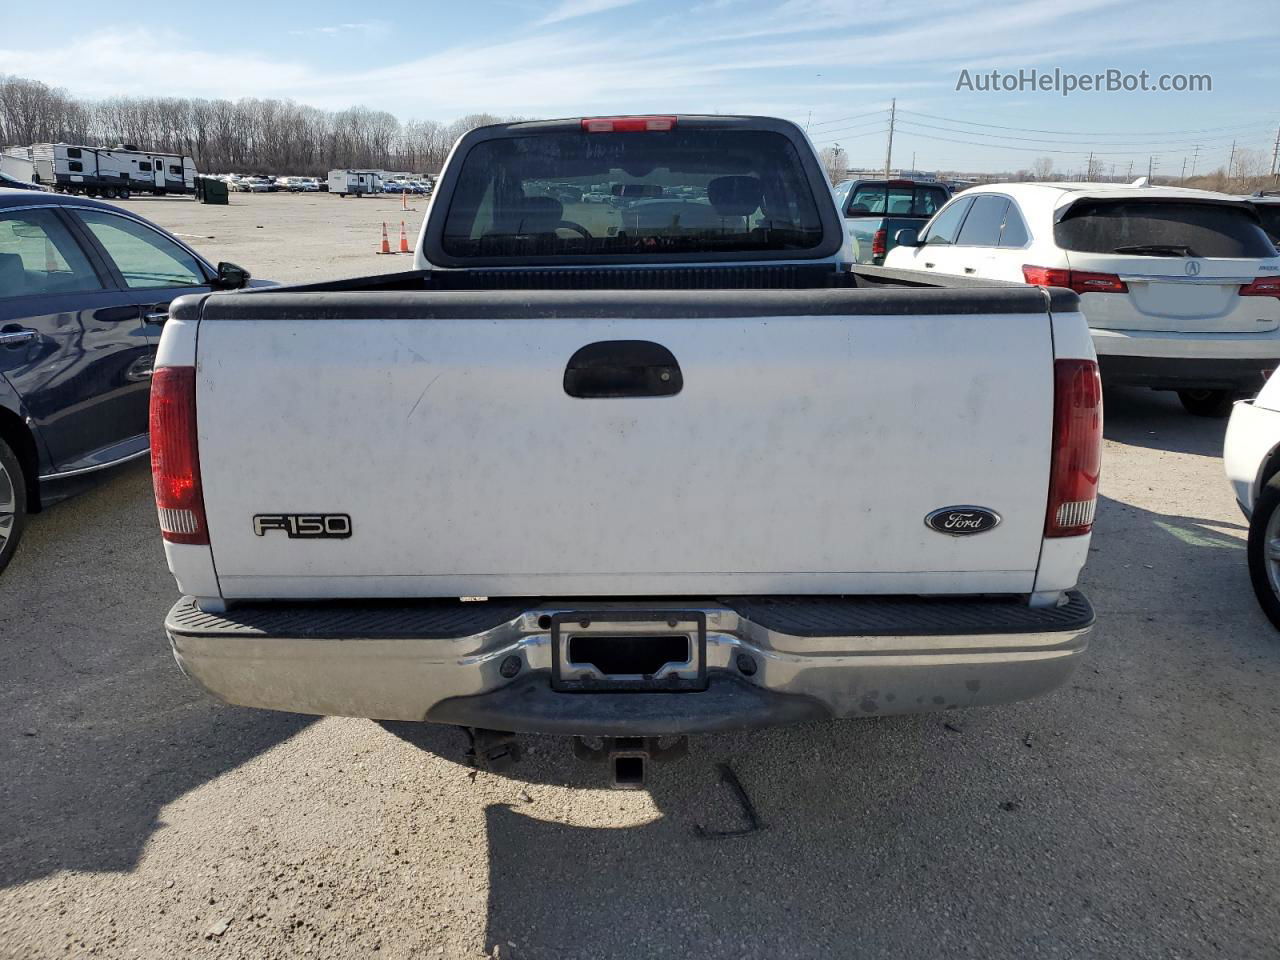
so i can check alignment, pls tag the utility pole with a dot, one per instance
(913, 162)
(888, 153)
(1151, 165)
(1194, 158)
(1231, 160)
(1275, 157)
(1129, 176)
(1088, 171)
(1183, 175)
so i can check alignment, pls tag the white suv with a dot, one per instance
(1181, 287)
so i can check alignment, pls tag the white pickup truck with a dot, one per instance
(651, 468)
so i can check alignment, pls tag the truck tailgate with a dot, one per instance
(811, 434)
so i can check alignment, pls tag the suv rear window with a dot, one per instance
(685, 191)
(1161, 228)
(895, 200)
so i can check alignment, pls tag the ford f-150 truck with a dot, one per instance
(591, 472)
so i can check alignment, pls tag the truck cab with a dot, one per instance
(875, 210)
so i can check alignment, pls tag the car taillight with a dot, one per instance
(1076, 280)
(1046, 276)
(627, 124)
(1077, 448)
(878, 242)
(1262, 287)
(175, 460)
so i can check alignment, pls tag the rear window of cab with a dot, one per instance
(892, 199)
(566, 193)
(1162, 228)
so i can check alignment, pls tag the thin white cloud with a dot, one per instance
(368, 28)
(104, 64)
(827, 57)
(572, 9)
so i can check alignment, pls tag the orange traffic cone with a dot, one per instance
(386, 244)
(404, 240)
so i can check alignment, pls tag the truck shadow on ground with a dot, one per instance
(1000, 832)
(102, 730)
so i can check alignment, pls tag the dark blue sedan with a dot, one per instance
(84, 290)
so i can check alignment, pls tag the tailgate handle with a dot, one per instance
(622, 368)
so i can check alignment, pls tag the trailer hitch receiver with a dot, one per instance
(628, 757)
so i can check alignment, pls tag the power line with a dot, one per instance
(1005, 146)
(856, 116)
(855, 136)
(1102, 143)
(1080, 133)
(878, 122)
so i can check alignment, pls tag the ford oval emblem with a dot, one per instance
(962, 521)
(1192, 268)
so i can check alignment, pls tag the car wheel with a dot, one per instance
(124, 194)
(13, 503)
(1207, 403)
(1264, 550)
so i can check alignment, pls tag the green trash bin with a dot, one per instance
(211, 190)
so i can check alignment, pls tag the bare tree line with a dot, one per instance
(249, 135)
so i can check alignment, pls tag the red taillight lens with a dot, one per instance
(1097, 283)
(1262, 287)
(175, 460)
(1076, 280)
(627, 124)
(1077, 448)
(1046, 276)
(878, 242)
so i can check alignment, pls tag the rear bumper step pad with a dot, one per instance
(770, 660)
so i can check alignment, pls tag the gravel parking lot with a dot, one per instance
(1133, 813)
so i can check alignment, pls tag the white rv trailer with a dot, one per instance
(16, 162)
(111, 172)
(358, 182)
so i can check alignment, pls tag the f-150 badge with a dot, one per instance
(962, 521)
(305, 526)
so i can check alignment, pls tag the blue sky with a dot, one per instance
(815, 61)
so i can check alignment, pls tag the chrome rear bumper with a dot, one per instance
(769, 660)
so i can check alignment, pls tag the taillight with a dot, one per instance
(627, 124)
(878, 242)
(1262, 287)
(1046, 276)
(1076, 280)
(175, 460)
(1097, 283)
(1077, 448)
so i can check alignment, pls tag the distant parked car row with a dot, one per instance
(406, 186)
(342, 182)
(264, 184)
